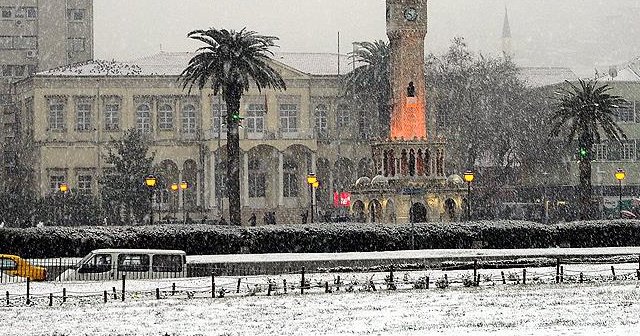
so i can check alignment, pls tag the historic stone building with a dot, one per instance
(69, 114)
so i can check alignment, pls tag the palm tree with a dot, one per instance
(371, 80)
(588, 109)
(231, 60)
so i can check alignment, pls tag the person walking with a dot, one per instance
(252, 219)
(305, 216)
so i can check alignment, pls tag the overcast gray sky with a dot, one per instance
(576, 33)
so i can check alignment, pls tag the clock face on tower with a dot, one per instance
(410, 14)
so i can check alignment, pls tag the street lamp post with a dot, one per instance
(184, 186)
(64, 188)
(468, 177)
(174, 187)
(150, 181)
(545, 203)
(312, 180)
(620, 175)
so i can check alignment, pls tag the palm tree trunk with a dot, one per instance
(585, 189)
(232, 98)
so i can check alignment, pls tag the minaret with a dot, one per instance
(406, 29)
(507, 51)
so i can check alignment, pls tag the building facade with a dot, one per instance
(37, 35)
(69, 115)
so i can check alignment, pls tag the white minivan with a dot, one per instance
(111, 264)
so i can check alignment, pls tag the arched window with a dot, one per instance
(321, 121)
(165, 117)
(143, 118)
(290, 187)
(257, 179)
(189, 119)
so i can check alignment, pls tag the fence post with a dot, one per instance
(338, 285)
(28, 287)
(524, 276)
(8, 295)
(446, 279)
(269, 289)
(477, 280)
(561, 273)
(173, 289)
(115, 296)
(124, 281)
(302, 282)
(581, 277)
(326, 286)
(213, 285)
(613, 271)
(391, 284)
(475, 272)
(284, 285)
(557, 270)
(238, 286)
(504, 281)
(427, 279)
(50, 299)
(105, 296)
(64, 295)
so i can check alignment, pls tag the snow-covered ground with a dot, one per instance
(539, 308)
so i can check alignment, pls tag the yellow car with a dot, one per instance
(13, 265)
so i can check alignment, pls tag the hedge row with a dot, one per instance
(48, 242)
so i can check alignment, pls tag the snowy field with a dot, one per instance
(541, 307)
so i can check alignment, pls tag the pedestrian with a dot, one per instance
(252, 219)
(265, 218)
(222, 221)
(305, 216)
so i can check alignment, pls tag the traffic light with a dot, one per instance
(583, 153)
(236, 117)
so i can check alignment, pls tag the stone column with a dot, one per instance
(280, 178)
(212, 182)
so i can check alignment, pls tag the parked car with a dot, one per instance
(13, 265)
(112, 264)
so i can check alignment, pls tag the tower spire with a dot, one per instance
(507, 51)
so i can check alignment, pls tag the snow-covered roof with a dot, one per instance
(172, 64)
(543, 76)
(625, 72)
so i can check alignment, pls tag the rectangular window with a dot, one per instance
(56, 115)
(601, 152)
(99, 263)
(32, 12)
(625, 112)
(255, 118)
(628, 151)
(55, 181)
(288, 118)
(343, 116)
(7, 71)
(167, 263)
(112, 117)
(83, 115)
(219, 113)
(189, 119)
(76, 44)
(75, 14)
(6, 12)
(84, 183)
(290, 185)
(133, 263)
(321, 121)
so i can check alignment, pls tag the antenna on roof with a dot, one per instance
(338, 53)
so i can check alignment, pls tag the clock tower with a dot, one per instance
(406, 29)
